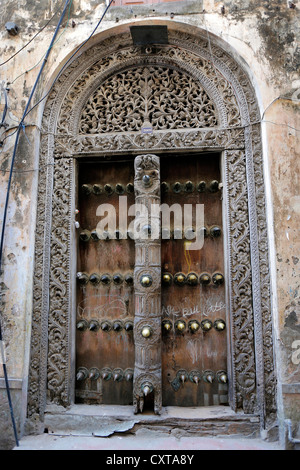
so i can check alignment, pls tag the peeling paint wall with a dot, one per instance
(265, 36)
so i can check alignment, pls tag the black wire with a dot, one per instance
(70, 58)
(42, 29)
(5, 107)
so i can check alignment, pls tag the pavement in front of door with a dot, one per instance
(143, 441)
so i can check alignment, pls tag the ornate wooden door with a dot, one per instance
(150, 314)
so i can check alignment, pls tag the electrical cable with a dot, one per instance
(25, 45)
(5, 107)
(20, 127)
(29, 70)
(70, 58)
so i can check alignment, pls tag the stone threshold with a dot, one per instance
(106, 420)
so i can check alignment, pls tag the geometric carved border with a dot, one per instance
(252, 376)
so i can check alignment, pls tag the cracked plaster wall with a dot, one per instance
(265, 35)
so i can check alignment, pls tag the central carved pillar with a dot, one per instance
(147, 281)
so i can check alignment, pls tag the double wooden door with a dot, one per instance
(191, 341)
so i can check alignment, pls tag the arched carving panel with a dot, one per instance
(232, 126)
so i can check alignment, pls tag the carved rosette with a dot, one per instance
(147, 275)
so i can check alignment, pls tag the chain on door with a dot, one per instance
(150, 314)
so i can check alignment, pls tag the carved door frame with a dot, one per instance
(251, 371)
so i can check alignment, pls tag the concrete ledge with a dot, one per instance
(13, 383)
(105, 420)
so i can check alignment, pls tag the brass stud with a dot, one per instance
(105, 326)
(130, 188)
(97, 189)
(128, 374)
(208, 376)
(190, 233)
(117, 279)
(82, 374)
(85, 235)
(95, 235)
(194, 326)
(83, 278)
(218, 279)
(206, 325)
(106, 374)
(146, 332)
(192, 279)
(205, 279)
(117, 375)
(87, 189)
(177, 233)
(94, 325)
(201, 187)
(105, 279)
(179, 279)
(94, 374)
(180, 325)
(119, 188)
(189, 187)
(220, 324)
(167, 325)
(128, 326)
(167, 279)
(146, 180)
(128, 279)
(81, 325)
(215, 231)
(195, 377)
(146, 280)
(222, 377)
(117, 325)
(105, 235)
(108, 189)
(182, 375)
(214, 186)
(94, 278)
(165, 187)
(146, 388)
(177, 187)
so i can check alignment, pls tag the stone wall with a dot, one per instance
(264, 37)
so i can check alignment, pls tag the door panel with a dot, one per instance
(193, 361)
(108, 302)
(198, 352)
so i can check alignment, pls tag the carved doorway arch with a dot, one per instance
(124, 87)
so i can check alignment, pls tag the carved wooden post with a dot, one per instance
(147, 281)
